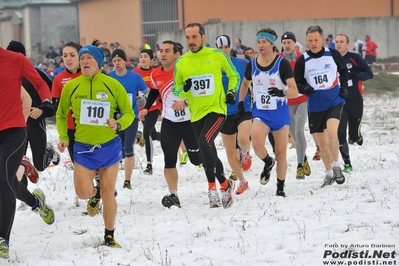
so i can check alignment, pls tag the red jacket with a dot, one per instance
(371, 47)
(14, 67)
(301, 97)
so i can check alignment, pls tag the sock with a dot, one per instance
(330, 173)
(36, 204)
(280, 184)
(299, 165)
(305, 159)
(224, 185)
(173, 192)
(211, 185)
(336, 164)
(267, 160)
(109, 232)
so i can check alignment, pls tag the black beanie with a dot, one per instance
(16, 47)
(149, 52)
(288, 36)
(119, 53)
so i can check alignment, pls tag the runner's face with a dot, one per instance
(194, 40)
(314, 41)
(145, 60)
(264, 46)
(168, 57)
(89, 65)
(71, 58)
(341, 45)
(226, 49)
(119, 64)
(288, 45)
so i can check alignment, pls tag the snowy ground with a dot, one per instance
(259, 229)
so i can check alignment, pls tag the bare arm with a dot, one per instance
(26, 102)
(292, 91)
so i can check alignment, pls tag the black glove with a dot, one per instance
(352, 75)
(48, 109)
(274, 91)
(231, 97)
(308, 90)
(240, 109)
(343, 93)
(187, 85)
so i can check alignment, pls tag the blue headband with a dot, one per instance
(265, 35)
(96, 52)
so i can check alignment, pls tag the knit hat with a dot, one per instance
(119, 53)
(96, 52)
(288, 36)
(223, 40)
(149, 52)
(16, 47)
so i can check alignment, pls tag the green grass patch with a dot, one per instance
(382, 82)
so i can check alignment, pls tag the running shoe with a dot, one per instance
(56, 155)
(184, 157)
(148, 170)
(233, 176)
(281, 193)
(300, 174)
(347, 168)
(242, 187)
(265, 175)
(127, 184)
(45, 211)
(111, 242)
(227, 195)
(328, 180)
(317, 155)
(214, 200)
(170, 200)
(338, 175)
(93, 205)
(246, 161)
(140, 139)
(30, 171)
(306, 167)
(4, 249)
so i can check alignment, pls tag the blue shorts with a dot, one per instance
(99, 155)
(274, 126)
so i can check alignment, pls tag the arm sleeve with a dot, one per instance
(125, 107)
(231, 73)
(152, 96)
(248, 71)
(299, 74)
(285, 71)
(38, 83)
(342, 69)
(178, 83)
(61, 115)
(365, 71)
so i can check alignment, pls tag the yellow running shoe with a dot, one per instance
(306, 168)
(93, 206)
(110, 242)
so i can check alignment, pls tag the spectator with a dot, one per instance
(51, 55)
(249, 53)
(60, 47)
(358, 46)
(370, 49)
(106, 51)
(240, 48)
(331, 43)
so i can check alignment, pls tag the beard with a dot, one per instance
(197, 50)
